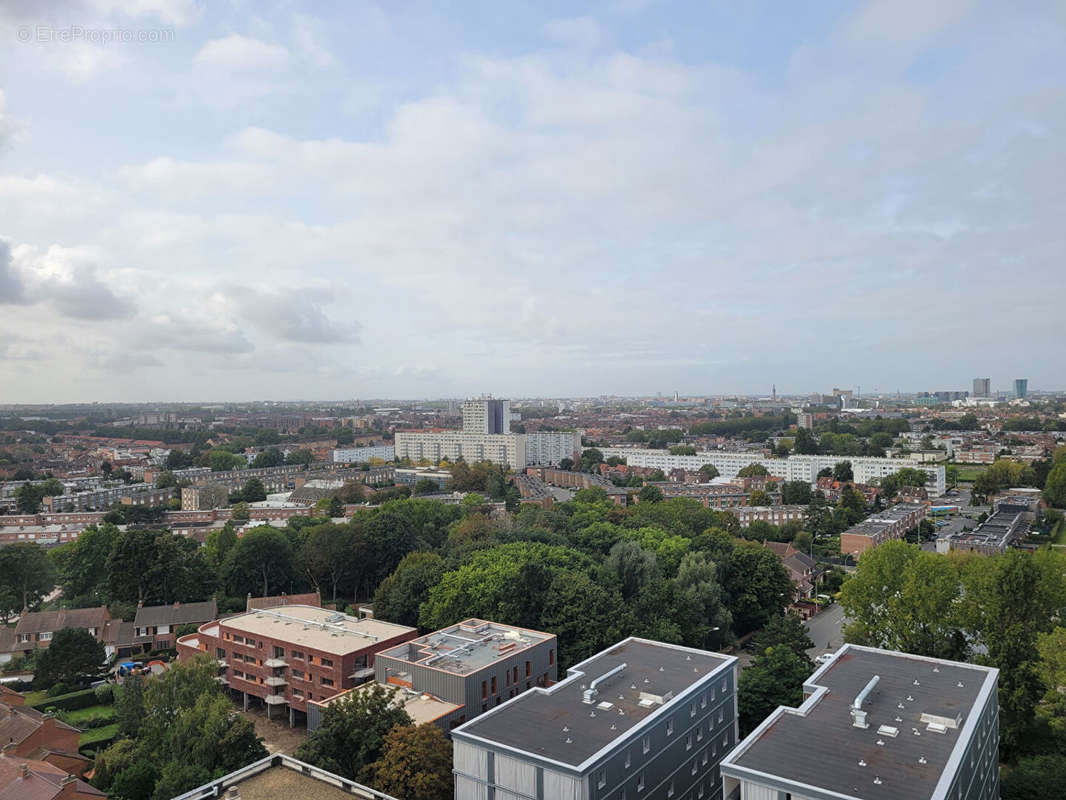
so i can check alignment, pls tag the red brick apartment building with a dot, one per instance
(289, 655)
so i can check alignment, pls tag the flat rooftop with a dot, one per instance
(420, 706)
(467, 646)
(317, 628)
(556, 724)
(820, 747)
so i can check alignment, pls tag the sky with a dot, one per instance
(244, 200)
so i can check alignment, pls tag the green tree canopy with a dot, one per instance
(72, 654)
(775, 678)
(416, 764)
(400, 595)
(754, 470)
(353, 732)
(26, 576)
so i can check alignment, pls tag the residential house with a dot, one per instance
(155, 627)
(33, 779)
(27, 733)
(35, 629)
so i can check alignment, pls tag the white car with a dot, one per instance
(824, 658)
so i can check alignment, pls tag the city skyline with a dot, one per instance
(362, 201)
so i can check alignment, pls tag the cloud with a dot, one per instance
(579, 32)
(236, 52)
(164, 331)
(86, 297)
(292, 316)
(12, 291)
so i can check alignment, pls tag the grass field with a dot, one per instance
(82, 714)
(969, 472)
(98, 735)
(36, 697)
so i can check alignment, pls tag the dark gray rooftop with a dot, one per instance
(557, 724)
(823, 748)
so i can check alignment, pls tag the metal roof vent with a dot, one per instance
(916, 683)
(923, 760)
(936, 669)
(888, 730)
(877, 780)
(862, 762)
(858, 716)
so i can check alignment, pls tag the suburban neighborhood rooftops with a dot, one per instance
(915, 713)
(466, 646)
(51, 621)
(317, 628)
(640, 678)
(175, 614)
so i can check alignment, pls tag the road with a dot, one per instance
(825, 632)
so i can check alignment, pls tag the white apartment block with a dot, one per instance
(794, 468)
(362, 455)
(486, 415)
(501, 448)
(549, 448)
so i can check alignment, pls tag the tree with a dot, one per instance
(566, 464)
(28, 499)
(951, 475)
(224, 461)
(188, 735)
(590, 459)
(416, 764)
(304, 457)
(902, 598)
(753, 470)
(805, 443)
(218, 543)
(345, 436)
(326, 555)
(72, 653)
(400, 595)
(241, 512)
(353, 730)
(1055, 486)
(253, 491)
(261, 558)
(271, 457)
(842, 472)
(26, 575)
(709, 472)
(81, 565)
(585, 616)
(756, 583)
(759, 498)
(775, 678)
(702, 614)
(650, 494)
(1035, 778)
(129, 705)
(630, 566)
(787, 630)
(166, 479)
(796, 493)
(425, 486)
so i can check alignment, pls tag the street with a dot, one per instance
(825, 631)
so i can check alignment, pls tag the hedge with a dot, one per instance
(68, 702)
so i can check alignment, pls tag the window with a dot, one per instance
(647, 744)
(484, 689)
(44, 636)
(279, 652)
(704, 759)
(326, 681)
(703, 700)
(601, 781)
(699, 733)
(629, 759)
(669, 727)
(688, 742)
(725, 683)
(515, 678)
(298, 654)
(721, 714)
(298, 674)
(326, 662)
(220, 653)
(640, 781)
(670, 789)
(494, 684)
(529, 669)
(551, 656)
(692, 710)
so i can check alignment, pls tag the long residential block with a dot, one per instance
(641, 720)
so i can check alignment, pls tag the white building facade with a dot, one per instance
(363, 455)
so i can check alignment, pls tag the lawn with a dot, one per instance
(82, 714)
(98, 735)
(1058, 536)
(36, 697)
(969, 473)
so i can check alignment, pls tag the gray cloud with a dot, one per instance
(292, 316)
(12, 291)
(86, 297)
(165, 332)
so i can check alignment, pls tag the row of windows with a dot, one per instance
(703, 759)
(279, 652)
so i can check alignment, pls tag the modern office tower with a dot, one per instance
(1021, 387)
(486, 415)
(876, 724)
(641, 720)
(982, 387)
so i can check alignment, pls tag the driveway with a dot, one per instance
(825, 631)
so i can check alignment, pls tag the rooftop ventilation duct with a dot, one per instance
(589, 695)
(858, 716)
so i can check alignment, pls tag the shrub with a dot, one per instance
(105, 694)
(69, 702)
(60, 688)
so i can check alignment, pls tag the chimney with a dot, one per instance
(24, 771)
(858, 716)
(177, 604)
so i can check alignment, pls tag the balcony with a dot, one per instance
(275, 700)
(274, 681)
(273, 663)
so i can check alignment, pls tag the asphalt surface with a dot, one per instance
(825, 631)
